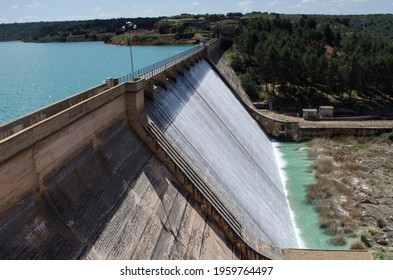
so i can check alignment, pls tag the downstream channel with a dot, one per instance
(296, 166)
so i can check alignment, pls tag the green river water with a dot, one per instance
(297, 175)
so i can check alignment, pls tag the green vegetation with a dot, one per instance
(91, 30)
(304, 61)
(182, 29)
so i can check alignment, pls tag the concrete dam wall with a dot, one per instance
(209, 127)
(81, 185)
(167, 166)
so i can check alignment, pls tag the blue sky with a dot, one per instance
(59, 10)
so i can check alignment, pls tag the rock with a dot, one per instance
(366, 201)
(383, 242)
(387, 229)
(381, 223)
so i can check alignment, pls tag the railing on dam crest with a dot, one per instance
(159, 67)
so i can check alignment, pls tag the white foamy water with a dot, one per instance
(281, 163)
(226, 147)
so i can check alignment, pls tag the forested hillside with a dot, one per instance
(312, 60)
(90, 30)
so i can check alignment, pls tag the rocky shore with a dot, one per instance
(354, 191)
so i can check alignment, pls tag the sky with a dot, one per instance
(62, 10)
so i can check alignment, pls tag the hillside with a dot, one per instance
(185, 28)
(91, 30)
(300, 61)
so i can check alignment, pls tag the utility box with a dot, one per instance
(310, 114)
(326, 111)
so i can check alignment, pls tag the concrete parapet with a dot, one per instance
(30, 155)
(314, 132)
(30, 135)
(277, 128)
(23, 122)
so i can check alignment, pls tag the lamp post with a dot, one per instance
(130, 26)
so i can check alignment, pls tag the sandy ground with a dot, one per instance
(354, 191)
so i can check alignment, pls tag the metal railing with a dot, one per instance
(156, 68)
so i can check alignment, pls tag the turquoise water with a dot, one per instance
(298, 178)
(34, 75)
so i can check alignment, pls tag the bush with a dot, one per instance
(349, 229)
(358, 245)
(381, 223)
(366, 241)
(338, 240)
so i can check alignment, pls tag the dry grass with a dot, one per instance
(353, 188)
(323, 166)
(338, 240)
(321, 190)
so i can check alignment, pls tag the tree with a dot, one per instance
(250, 86)
(329, 35)
(237, 63)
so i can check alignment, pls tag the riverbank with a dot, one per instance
(354, 191)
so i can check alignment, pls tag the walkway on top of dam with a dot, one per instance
(160, 67)
(177, 63)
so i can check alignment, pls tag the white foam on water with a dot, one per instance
(214, 133)
(282, 163)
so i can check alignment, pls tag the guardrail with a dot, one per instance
(156, 68)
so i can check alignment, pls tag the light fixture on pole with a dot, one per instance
(130, 26)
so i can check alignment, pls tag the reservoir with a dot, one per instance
(35, 75)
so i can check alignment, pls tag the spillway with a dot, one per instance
(213, 132)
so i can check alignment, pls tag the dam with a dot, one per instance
(169, 166)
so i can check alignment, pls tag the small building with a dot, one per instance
(310, 114)
(326, 111)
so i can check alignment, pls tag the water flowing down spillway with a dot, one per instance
(213, 132)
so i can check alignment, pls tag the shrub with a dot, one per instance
(324, 222)
(338, 240)
(358, 245)
(381, 223)
(324, 166)
(349, 229)
(332, 229)
(366, 241)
